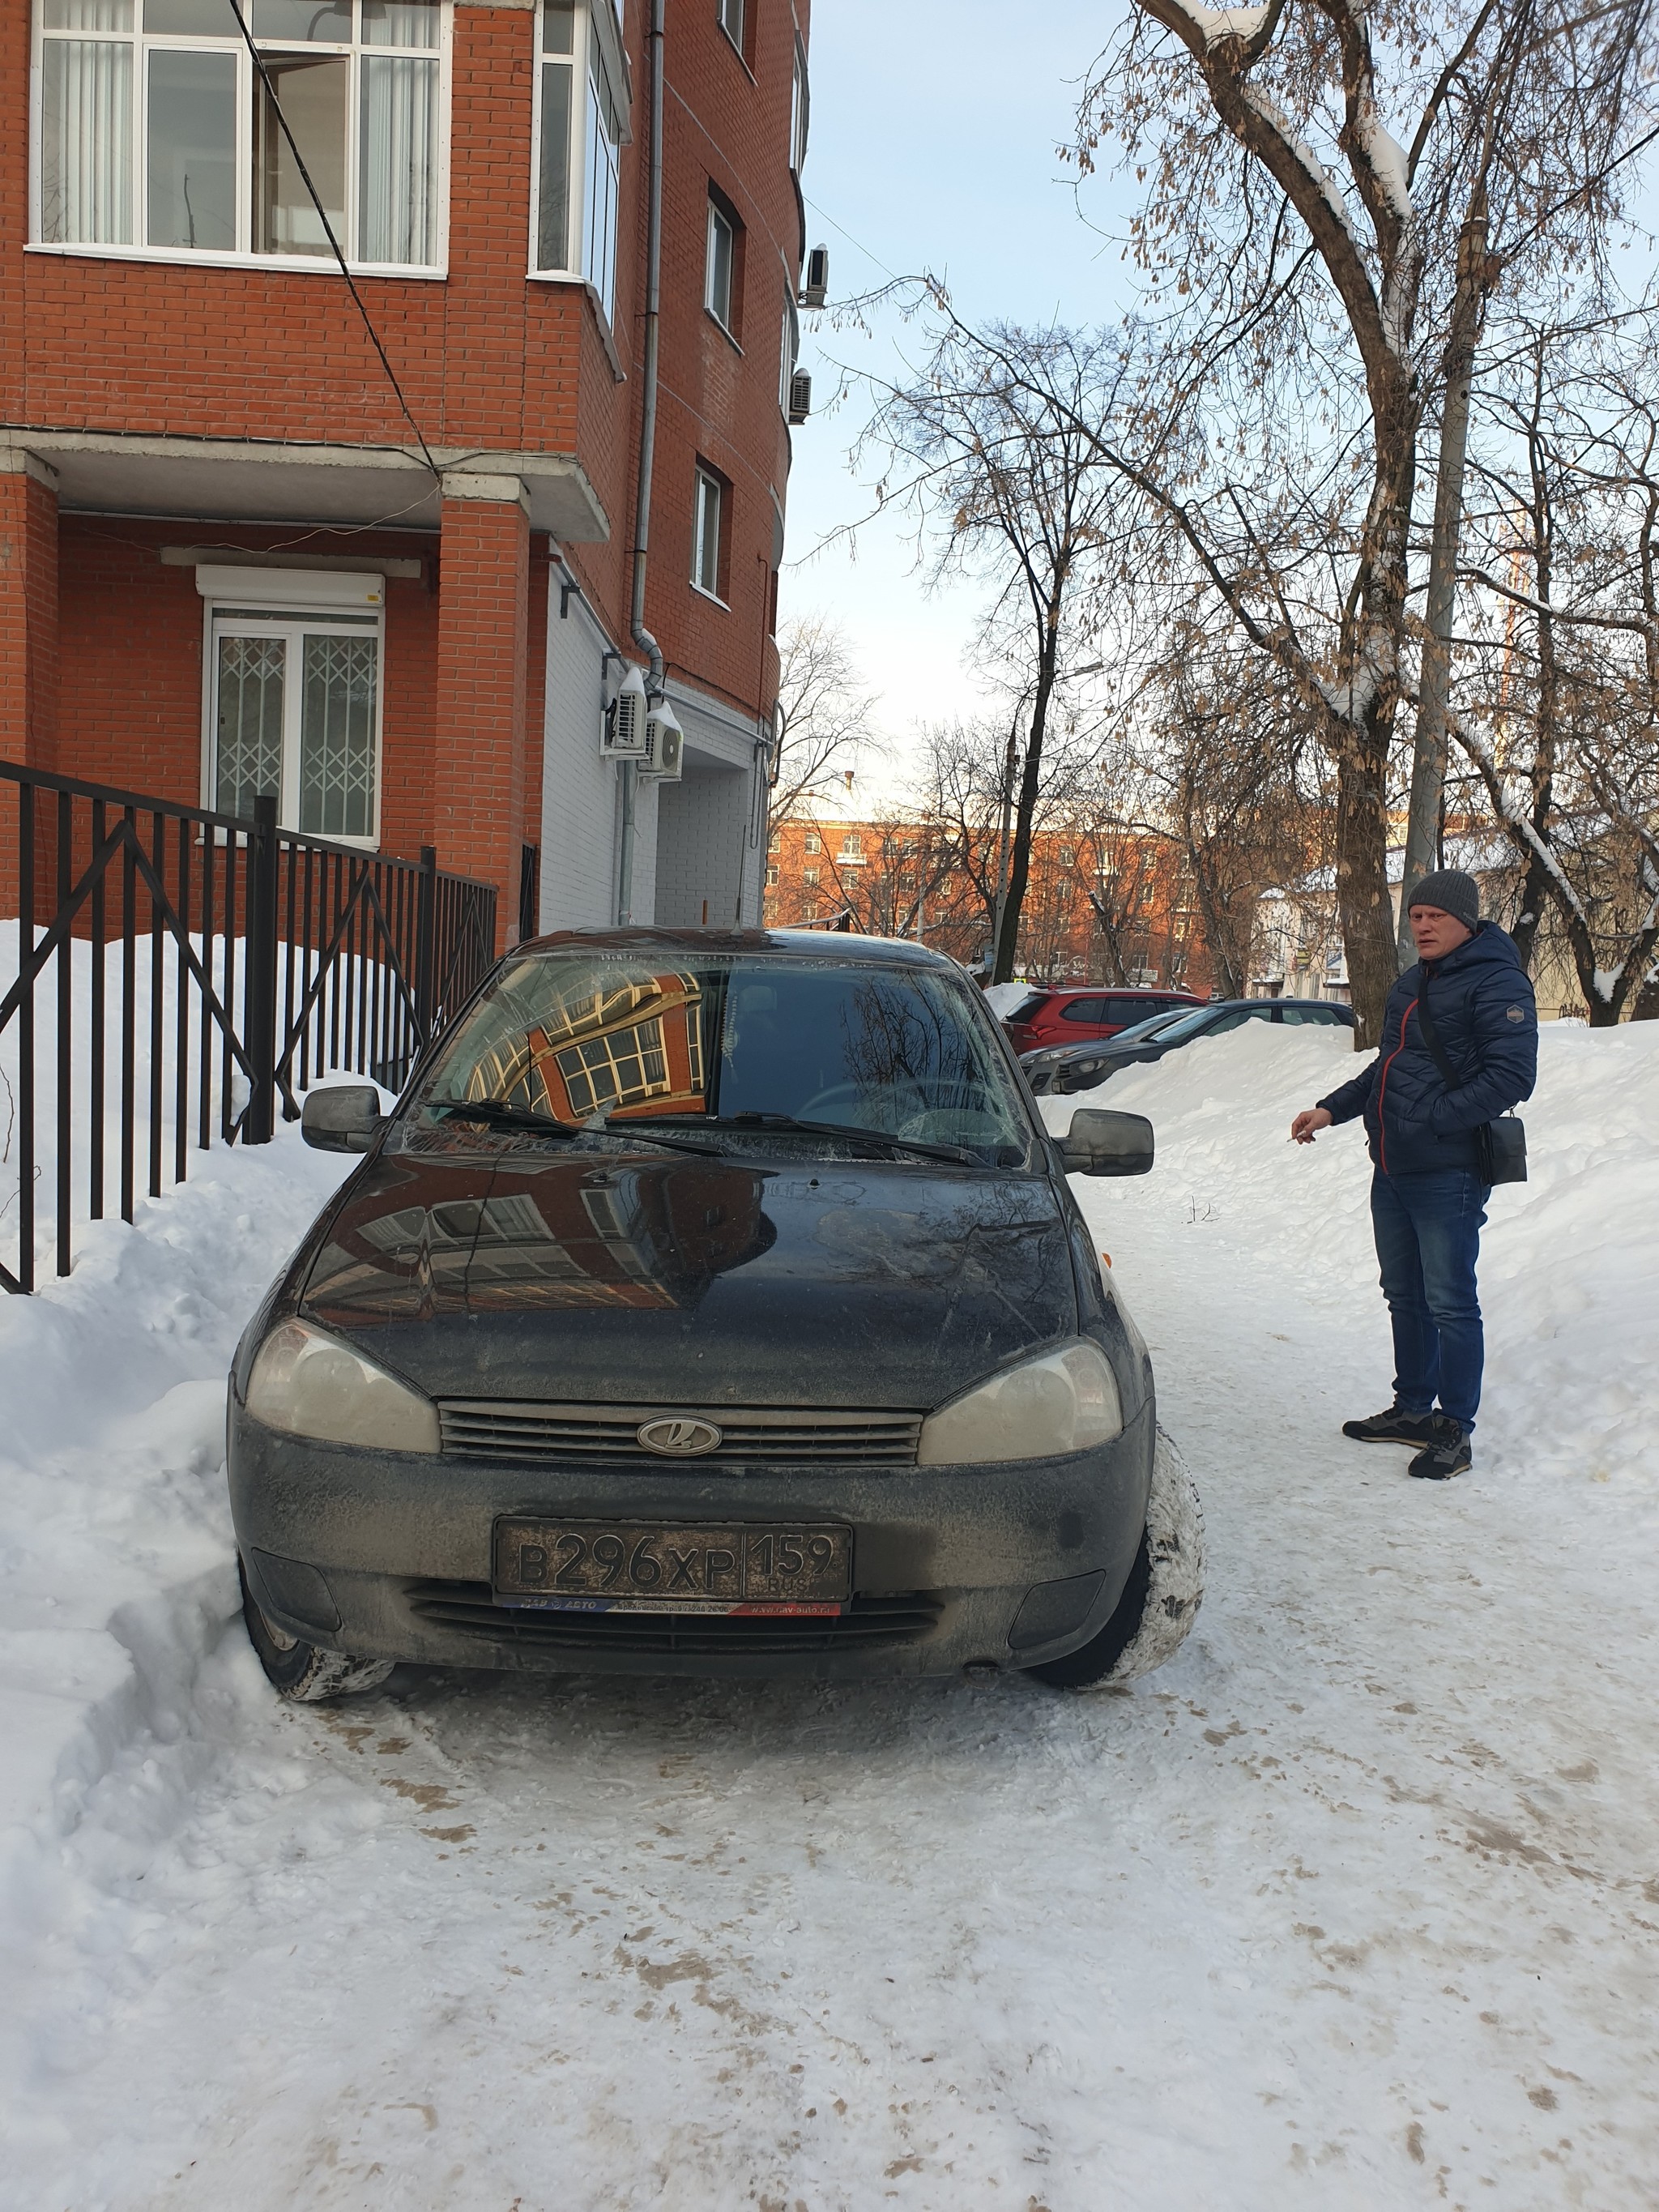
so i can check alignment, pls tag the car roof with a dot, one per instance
(751, 943)
(1115, 989)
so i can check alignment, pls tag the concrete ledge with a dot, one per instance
(255, 480)
(17, 461)
(468, 483)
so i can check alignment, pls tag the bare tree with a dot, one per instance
(992, 453)
(1558, 704)
(1313, 258)
(822, 722)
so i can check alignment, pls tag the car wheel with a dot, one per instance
(1162, 1596)
(305, 1672)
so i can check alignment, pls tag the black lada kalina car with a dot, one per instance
(711, 1301)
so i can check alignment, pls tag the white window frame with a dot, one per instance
(596, 48)
(705, 482)
(242, 256)
(719, 223)
(731, 15)
(800, 108)
(290, 603)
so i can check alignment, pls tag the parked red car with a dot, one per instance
(1084, 1015)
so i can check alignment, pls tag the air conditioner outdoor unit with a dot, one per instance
(816, 291)
(622, 725)
(665, 745)
(800, 396)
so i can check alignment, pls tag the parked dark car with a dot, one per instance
(1085, 1067)
(710, 1302)
(1086, 1015)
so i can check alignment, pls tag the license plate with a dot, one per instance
(632, 1566)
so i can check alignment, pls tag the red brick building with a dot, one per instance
(240, 553)
(1115, 909)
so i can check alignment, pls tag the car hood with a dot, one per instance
(814, 1283)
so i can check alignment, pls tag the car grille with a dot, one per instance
(868, 1622)
(502, 1429)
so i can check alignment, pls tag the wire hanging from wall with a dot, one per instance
(264, 76)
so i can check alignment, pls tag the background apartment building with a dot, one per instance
(240, 553)
(1119, 909)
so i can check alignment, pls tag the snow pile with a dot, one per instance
(1351, 1905)
(1568, 1263)
(116, 1566)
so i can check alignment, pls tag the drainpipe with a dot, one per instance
(642, 637)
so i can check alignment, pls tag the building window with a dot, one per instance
(293, 712)
(731, 16)
(722, 282)
(810, 843)
(799, 109)
(810, 911)
(711, 496)
(771, 879)
(579, 147)
(157, 134)
(809, 876)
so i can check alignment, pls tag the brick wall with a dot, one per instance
(490, 360)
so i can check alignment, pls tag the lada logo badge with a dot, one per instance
(679, 1439)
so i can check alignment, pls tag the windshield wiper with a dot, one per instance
(499, 1115)
(601, 1125)
(789, 1125)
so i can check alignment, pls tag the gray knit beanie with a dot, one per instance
(1452, 891)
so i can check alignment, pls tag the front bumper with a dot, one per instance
(387, 1555)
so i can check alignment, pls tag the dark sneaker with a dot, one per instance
(1448, 1456)
(1396, 1426)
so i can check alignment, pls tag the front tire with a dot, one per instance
(1160, 1601)
(304, 1673)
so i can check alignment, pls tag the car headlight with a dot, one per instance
(310, 1384)
(1062, 1401)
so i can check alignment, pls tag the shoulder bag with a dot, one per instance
(1500, 1146)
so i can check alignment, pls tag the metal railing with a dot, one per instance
(193, 973)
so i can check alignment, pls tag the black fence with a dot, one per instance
(180, 975)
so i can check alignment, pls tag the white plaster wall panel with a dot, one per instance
(700, 845)
(579, 789)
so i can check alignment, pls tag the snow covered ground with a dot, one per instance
(1354, 1906)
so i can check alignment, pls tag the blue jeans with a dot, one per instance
(1428, 1237)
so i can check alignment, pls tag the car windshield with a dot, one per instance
(1154, 1026)
(1185, 1025)
(1028, 1007)
(700, 1041)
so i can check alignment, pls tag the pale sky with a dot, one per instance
(934, 126)
(932, 146)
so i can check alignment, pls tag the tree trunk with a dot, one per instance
(1362, 888)
(1429, 751)
(1219, 932)
(1019, 870)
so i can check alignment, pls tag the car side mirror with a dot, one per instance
(346, 1118)
(1102, 1143)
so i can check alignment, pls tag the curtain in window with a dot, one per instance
(86, 141)
(553, 207)
(397, 161)
(336, 738)
(250, 722)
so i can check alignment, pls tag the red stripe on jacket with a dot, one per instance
(1383, 1085)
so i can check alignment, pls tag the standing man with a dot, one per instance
(1427, 1201)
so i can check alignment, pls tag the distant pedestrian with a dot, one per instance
(1428, 1197)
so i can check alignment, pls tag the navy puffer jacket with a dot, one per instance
(1484, 1014)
